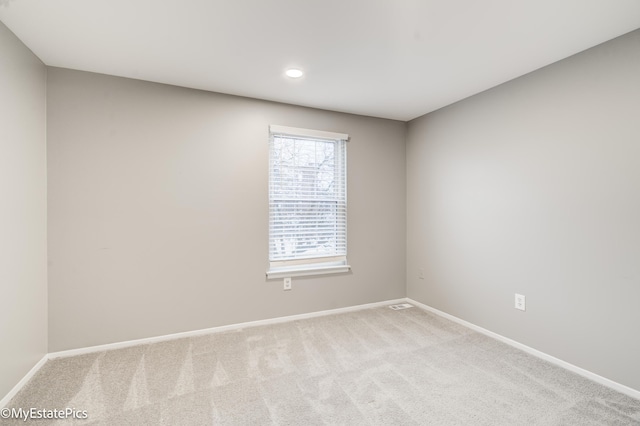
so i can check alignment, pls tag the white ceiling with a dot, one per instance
(395, 59)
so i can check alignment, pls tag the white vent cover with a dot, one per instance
(401, 306)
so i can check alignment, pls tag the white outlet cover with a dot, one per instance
(520, 302)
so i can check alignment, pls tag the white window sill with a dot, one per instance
(306, 270)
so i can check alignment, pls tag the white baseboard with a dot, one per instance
(277, 320)
(23, 382)
(568, 366)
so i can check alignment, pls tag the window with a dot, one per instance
(307, 202)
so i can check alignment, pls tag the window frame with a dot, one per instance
(283, 268)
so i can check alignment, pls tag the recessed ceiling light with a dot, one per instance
(294, 73)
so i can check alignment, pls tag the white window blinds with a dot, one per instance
(307, 197)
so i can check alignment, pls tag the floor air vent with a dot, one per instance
(401, 306)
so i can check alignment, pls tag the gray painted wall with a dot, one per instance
(158, 216)
(23, 211)
(533, 187)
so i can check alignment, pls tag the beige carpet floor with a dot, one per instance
(376, 366)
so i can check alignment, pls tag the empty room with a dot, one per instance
(412, 212)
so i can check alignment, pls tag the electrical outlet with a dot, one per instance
(520, 302)
(287, 283)
(421, 273)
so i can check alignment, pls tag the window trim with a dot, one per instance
(308, 133)
(308, 270)
(315, 266)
